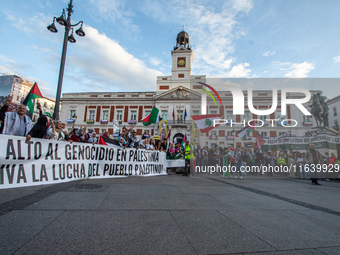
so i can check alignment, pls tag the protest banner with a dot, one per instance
(42, 161)
(322, 139)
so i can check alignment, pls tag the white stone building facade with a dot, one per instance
(176, 94)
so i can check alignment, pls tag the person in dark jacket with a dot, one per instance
(39, 129)
(79, 136)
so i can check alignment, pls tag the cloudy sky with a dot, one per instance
(129, 43)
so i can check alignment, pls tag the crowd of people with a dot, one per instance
(254, 162)
(18, 123)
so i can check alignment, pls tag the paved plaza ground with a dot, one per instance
(172, 215)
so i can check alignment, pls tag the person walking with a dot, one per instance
(313, 158)
(188, 156)
(238, 162)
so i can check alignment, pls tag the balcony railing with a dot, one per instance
(280, 123)
(180, 122)
(308, 123)
(132, 121)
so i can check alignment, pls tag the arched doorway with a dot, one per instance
(178, 138)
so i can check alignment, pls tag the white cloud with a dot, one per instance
(18, 23)
(15, 66)
(104, 65)
(240, 70)
(211, 30)
(117, 13)
(299, 70)
(154, 61)
(336, 59)
(268, 53)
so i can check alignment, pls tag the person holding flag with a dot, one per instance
(188, 156)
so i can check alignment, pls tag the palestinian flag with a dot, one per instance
(48, 114)
(101, 141)
(243, 132)
(32, 95)
(183, 141)
(259, 141)
(152, 117)
(205, 123)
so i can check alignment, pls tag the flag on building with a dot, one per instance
(173, 114)
(33, 94)
(259, 141)
(185, 113)
(152, 117)
(205, 123)
(179, 114)
(243, 132)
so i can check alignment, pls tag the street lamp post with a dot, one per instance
(66, 22)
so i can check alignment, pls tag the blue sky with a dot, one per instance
(129, 43)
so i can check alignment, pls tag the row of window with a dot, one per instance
(180, 113)
(133, 114)
(231, 133)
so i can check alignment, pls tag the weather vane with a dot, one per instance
(183, 28)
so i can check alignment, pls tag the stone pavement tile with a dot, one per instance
(290, 252)
(129, 232)
(18, 227)
(204, 202)
(174, 180)
(140, 180)
(123, 189)
(100, 181)
(11, 194)
(207, 182)
(245, 200)
(322, 195)
(330, 250)
(160, 189)
(192, 189)
(71, 201)
(143, 202)
(14, 193)
(286, 229)
(210, 232)
(321, 216)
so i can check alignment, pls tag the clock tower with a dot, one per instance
(181, 67)
(182, 60)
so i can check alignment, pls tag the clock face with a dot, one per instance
(181, 62)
